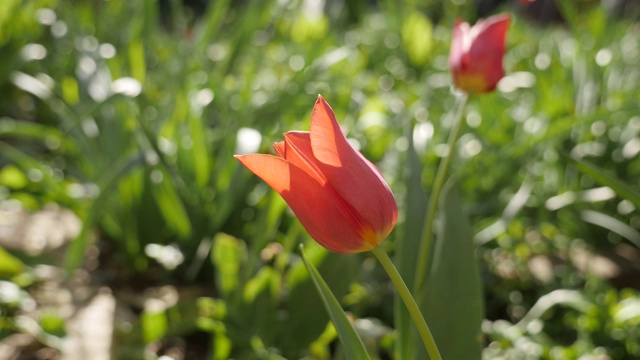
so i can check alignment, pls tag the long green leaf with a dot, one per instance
(454, 303)
(303, 327)
(353, 346)
(76, 252)
(214, 21)
(199, 151)
(407, 343)
(621, 188)
(171, 205)
(30, 130)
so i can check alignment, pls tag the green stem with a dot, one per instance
(441, 176)
(409, 302)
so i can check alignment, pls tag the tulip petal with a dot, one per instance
(476, 53)
(322, 212)
(459, 45)
(298, 152)
(352, 176)
(487, 48)
(280, 149)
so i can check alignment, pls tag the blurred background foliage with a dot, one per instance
(118, 123)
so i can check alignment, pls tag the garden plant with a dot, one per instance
(311, 179)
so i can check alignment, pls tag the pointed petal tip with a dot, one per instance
(502, 18)
(325, 105)
(241, 158)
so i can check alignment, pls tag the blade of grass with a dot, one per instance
(76, 253)
(22, 159)
(200, 152)
(612, 224)
(171, 206)
(214, 22)
(598, 174)
(29, 130)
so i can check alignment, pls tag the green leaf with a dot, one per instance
(303, 326)
(28, 130)
(200, 152)
(13, 178)
(222, 345)
(171, 205)
(52, 323)
(353, 346)
(621, 188)
(417, 37)
(227, 255)
(9, 264)
(454, 304)
(70, 93)
(154, 325)
(137, 61)
(259, 283)
(76, 253)
(407, 342)
(627, 310)
(214, 20)
(320, 348)
(573, 299)
(612, 224)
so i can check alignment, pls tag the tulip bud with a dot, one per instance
(339, 196)
(476, 54)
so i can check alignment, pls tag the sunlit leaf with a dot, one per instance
(70, 90)
(417, 37)
(259, 283)
(623, 189)
(200, 152)
(353, 346)
(137, 60)
(13, 178)
(227, 255)
(9, 264)
(154, 325)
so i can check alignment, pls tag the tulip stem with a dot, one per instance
(409, 302)
(438, 183)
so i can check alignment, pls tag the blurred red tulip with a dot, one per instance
(476, 54)
(338, 195)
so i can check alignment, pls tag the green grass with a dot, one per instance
(156, 167)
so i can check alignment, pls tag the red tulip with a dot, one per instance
(338, 195)
(476, 54)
